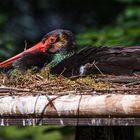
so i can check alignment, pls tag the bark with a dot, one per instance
(108, 105)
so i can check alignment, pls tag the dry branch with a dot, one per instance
(119, 79)
(23, 92)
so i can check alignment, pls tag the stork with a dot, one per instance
(58, 50)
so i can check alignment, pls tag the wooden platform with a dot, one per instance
(58, 101)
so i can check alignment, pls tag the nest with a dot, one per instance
(51, 84)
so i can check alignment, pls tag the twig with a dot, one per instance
(18, 91)
(98, 68)
(25, 48)
(8, 89)
(133, 83)
(119, 79)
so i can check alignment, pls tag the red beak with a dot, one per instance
(38, 47)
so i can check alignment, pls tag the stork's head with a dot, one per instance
(54, 42)
(59, 41)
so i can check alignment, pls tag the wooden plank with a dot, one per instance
(71, 121)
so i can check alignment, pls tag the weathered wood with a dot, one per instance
(108, 105)
(70, 121)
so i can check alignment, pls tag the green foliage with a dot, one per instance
(110, 36)
(36, 133)
(6, 47)
(6, 42)
(3, 20)
(125, 32)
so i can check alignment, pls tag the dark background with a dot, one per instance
(94, 22)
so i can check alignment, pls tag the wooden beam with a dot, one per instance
(70, 121)
(70, 106)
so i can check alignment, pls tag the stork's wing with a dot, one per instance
(118, 61)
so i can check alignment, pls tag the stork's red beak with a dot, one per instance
(38, 47)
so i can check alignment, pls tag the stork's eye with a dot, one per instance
(52, 40)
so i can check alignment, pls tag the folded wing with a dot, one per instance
(118, 61)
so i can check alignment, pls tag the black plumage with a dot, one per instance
(118, 61)
(29, 61)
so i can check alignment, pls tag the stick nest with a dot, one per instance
(92, 84)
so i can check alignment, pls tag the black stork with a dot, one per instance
(58, 50)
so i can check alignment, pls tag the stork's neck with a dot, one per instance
(57, 58)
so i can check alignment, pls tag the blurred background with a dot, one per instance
(94, 22)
